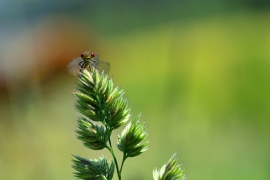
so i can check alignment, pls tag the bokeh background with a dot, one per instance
(198, 71)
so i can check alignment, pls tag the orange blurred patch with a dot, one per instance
(45, 48)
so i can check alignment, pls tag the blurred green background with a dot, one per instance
(198, 71)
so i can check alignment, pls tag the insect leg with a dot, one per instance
(81, 63)
(82, 66)
(93, 64)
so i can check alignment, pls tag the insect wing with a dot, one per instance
(103, 66)
(74, 66)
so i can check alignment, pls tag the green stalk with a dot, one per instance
(114, 158)
(124, 158)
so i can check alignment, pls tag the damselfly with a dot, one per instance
(87, 60)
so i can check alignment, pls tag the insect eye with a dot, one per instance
(82, 55)
(92, 54)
